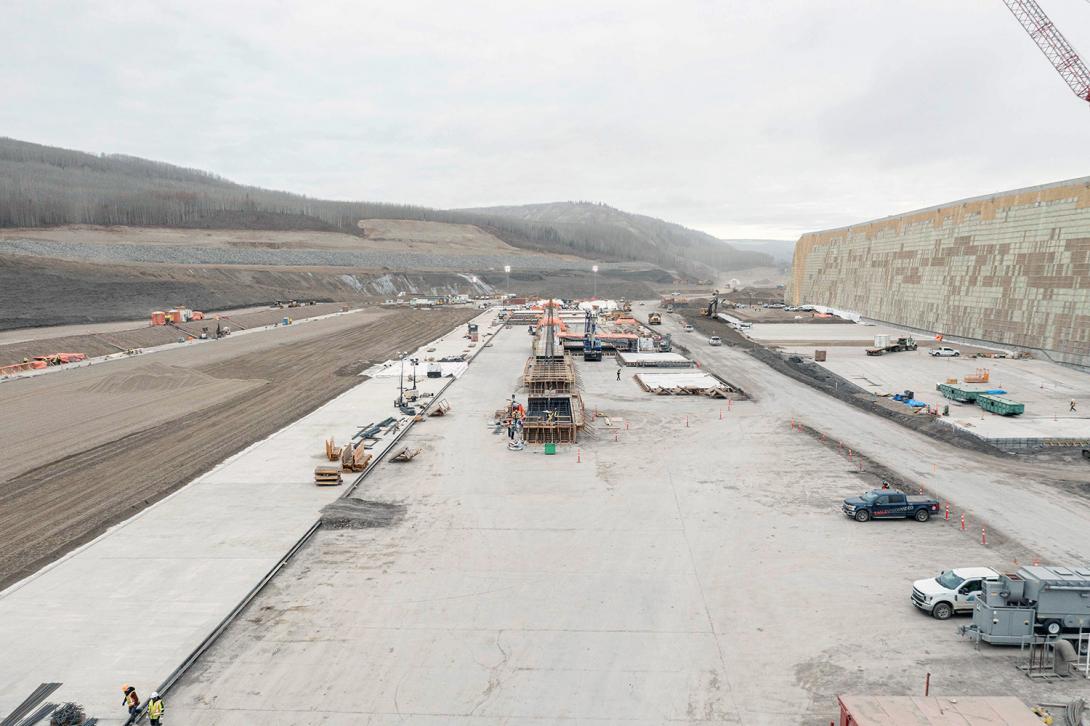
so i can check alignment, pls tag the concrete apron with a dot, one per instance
(129, 606)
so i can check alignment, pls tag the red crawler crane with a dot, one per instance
(1052, 43)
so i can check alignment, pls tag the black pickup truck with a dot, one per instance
(889, 504)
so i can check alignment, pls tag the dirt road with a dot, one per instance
(51, 509)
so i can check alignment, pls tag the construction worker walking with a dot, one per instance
(130, 701)
(618, 373)
(155, 709)
(1072, 407)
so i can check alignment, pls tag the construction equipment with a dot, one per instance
(713, 306)
(405, 454)
(326, 476)
(654, 318)
(883, 344)
(441, 408)
(1053, 44)
(999, 405)
(665, 344)
(981, 376)
(592, 345)
(1050, 600)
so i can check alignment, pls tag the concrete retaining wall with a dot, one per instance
(1012, 268)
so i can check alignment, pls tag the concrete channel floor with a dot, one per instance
(1036, 504)
(687, 564)
(129, 606)
(1044, 387)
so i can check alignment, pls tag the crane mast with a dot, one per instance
(1053, 44)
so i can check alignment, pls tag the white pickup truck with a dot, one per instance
(944, 352)
(952, 591)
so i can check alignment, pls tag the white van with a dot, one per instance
(715, 340)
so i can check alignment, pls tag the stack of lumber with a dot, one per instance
(327, 476)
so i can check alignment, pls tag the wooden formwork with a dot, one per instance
(553, 419)
(545, 375)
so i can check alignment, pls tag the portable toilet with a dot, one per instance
(174, 316)
(158, 317)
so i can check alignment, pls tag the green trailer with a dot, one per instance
(959, 393)
(1000, 405)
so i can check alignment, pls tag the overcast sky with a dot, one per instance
(763, 118)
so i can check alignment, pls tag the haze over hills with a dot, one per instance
(782, 250)
(43, 186)
(602, 227)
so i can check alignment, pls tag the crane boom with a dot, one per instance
(1053, 44)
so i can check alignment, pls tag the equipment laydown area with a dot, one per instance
(87, 448)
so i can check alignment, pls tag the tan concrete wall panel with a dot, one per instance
(1013, 268)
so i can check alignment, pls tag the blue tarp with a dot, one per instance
(995, 392)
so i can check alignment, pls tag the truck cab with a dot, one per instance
(951, 591)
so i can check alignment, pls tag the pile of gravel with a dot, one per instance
(362, 514)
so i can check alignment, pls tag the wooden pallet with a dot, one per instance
(327, 476)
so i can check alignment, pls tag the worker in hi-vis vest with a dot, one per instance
(155, 709)
(131, 701)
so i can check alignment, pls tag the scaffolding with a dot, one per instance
(544, 376)
(553, 419)
(554, 411)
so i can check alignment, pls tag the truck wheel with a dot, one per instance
(922, 515)
(862, 515)
(942, 611)
(1053, 627)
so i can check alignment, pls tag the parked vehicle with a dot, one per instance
(715, 340)
(889, 504)
(1050, 600)
(688, 328)
(944, 352)
(883, 344)
(951, 591)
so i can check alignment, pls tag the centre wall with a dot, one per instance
(1012, 268)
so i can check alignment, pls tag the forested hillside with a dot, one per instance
(42, 186)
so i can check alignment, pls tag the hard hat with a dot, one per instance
(126, 687)
(155, 694)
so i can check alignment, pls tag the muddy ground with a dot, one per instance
(50, 509)
(106, 343)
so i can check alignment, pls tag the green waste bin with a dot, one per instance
(550, 448)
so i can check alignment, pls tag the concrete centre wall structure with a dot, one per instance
(1012, 268)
